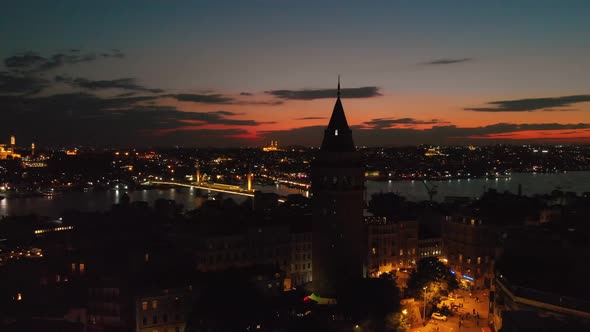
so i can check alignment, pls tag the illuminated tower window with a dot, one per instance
(336, 132)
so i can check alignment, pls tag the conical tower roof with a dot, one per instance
(338, 136)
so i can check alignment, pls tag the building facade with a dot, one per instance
(256, 245)
(430, 247)
(301, 258)
(470, 247)
(162, 311)
(391, 244)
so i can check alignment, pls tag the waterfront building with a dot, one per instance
(8, 151)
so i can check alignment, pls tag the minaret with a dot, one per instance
(12, 142)
(337, 181)
(198, 173)
(32, 149)
(249, 180)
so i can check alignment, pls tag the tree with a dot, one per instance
(386, 204)
(391, 276)
(371, 300)
(431, 273)
(398, 322)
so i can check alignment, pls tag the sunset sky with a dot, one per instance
(240, 73)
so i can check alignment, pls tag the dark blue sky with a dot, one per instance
(450, 61)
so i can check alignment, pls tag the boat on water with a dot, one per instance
(50, 193)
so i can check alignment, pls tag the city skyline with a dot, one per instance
(236, 74)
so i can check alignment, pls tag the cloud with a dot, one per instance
(121, 83)
(30, 62)
(531, 104)
(382, 123)
(246, 94)
(219, 99)
(116, 53)
(227, 113)
(312, 118)
(83, 118)
(560, 110)
(207, 99)
(447, 61)
(20, 84)
(24, 61)
(363, 92)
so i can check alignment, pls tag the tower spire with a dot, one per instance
(338, 93)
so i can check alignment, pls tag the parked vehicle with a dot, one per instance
(439, 316)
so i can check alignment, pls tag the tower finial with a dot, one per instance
(338, 93)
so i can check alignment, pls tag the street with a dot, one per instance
(470, 322)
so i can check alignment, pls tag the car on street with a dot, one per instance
(439, 316)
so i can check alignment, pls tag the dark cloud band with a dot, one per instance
(363, 92)
(531, 104)
(31, 62)
(447, 61)
(382, 123)
(122, 83)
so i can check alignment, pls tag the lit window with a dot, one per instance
(401, 252)
(144, 305)
(82, 267)
(336, 132)
(73, 267)
(154, 304)
(478, 260)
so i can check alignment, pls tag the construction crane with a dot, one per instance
(432, 190)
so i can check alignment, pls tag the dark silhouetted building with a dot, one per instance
(338, 178)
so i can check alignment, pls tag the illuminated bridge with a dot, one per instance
(216, 187)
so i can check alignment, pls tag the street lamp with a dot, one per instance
(424, 288)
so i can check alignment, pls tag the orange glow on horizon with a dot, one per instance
(567, 135)
(269, 114)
